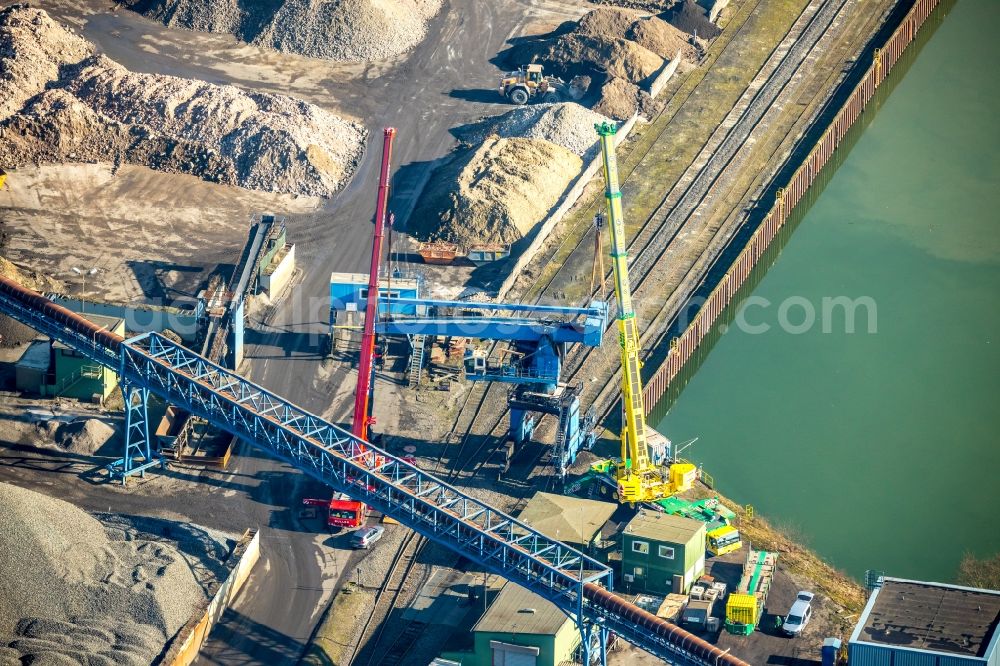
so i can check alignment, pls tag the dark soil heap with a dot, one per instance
(620, 49)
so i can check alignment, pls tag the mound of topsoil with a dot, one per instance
(75, 591)
(62, 103)
(618, 99)
(663, 39)
(567, 124)
(345, 30)
(84, 437)
(692, 17)
(495, 194)
(620, 48)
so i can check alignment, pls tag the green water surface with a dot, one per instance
(880, 449)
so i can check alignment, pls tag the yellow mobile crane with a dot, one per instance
(639, 478)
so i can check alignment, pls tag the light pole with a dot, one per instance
(83, 277)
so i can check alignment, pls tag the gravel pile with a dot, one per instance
(93, 109)
(496, 193)
(663, 39)
(344, 30)
(588, 55)
(85, 437)
(567, 124)
(74, 590)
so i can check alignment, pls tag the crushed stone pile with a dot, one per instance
(76, 590)
(495, 194)
(85, 436)
(619, 48)
(342, 30)
(89, 108)
(565, 124)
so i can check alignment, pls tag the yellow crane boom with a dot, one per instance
(639, 480)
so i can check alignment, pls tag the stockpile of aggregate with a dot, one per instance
(496, 193)
(66, 104)
(612, 45)
(343, 30)
(74, 589)
(566, 124)
(85, 436)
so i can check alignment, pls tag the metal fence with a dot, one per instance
(683, 347)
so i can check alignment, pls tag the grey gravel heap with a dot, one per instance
(76, 590)
(566, 124)
(343, 30)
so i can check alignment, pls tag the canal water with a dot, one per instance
(878, 448)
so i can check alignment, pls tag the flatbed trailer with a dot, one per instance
(745, 607)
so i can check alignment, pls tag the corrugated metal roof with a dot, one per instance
(510, 614)
(933, 617)
(664, 527)
(566, 518)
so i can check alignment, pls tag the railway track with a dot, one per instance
(687, 199)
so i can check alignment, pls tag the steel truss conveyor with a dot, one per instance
(152, 364)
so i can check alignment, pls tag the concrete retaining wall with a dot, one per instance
(661, 79)
(192, 636)
(274, 283)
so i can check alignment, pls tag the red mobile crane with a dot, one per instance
(341, 510)
(362, 395)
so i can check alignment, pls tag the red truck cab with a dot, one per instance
(341, 511)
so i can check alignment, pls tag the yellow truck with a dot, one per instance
(722, 540)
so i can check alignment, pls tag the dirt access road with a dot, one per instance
(446, 81)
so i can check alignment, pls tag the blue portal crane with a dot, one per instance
(538, 337)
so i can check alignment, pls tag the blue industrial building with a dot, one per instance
(913, 623)
(349, 292)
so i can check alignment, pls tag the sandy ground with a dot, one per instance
(151, 235)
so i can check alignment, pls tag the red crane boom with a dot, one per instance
(362, 396)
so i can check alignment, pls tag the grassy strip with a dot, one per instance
(332, 643)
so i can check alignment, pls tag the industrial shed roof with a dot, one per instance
(518, 611)
(568, 519)
(664, 527)
(931, 616)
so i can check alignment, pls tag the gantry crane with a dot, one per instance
(639, 478)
